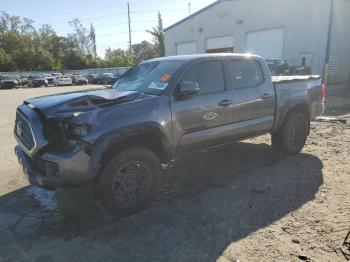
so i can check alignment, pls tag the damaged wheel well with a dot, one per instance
(148, 140)
(303, 108)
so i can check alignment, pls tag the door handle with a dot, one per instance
(225, 102)
(266, 96)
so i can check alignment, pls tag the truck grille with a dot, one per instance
(24, 132)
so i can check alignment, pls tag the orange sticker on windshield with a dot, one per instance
(165, 77)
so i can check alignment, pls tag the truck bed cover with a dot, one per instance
(288, 79)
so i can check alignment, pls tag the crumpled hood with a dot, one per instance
(65, 104)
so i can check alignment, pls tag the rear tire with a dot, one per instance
(129, 182)
(291, 137)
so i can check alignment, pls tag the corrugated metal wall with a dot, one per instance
(305, 24)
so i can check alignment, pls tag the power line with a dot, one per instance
(161, 11)
(117, 14)
(122, 23)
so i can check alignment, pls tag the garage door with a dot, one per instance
(222, 44)
(267, 43)
(188, 48)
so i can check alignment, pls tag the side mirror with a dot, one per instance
(188, 89)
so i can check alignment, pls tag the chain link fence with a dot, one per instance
(117, 71)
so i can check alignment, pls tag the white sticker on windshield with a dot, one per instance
(158, 85)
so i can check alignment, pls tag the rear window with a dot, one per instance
(245, 73)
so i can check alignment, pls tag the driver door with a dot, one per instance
(204, 119)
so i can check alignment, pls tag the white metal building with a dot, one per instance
(297, 30)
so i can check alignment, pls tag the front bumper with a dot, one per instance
(81, 82)
(39, 83)
(56, 169)
(64, 83)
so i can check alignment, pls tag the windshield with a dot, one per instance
(149, 77)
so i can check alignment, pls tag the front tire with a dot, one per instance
(291, 137)
(129, 182)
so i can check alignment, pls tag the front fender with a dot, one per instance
(102, 144)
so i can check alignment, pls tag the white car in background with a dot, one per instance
(63, 81)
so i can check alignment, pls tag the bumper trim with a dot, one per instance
(33, 174)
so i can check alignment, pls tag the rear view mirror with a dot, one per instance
(188, 89)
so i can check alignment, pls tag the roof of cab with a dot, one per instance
(202, 56)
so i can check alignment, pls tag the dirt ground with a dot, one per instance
(242, 202)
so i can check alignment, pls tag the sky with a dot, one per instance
(109, 17)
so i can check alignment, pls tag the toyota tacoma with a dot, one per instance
(119, 138)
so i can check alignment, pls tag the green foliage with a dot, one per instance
(118, 58)
(144, 51)
(24, 48)
(158, 36)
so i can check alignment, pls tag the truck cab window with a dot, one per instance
(245, 73)
(209, 76)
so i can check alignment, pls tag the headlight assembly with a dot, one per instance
(76, 129)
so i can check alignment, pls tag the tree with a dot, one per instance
(85, 40)
(92, 36)
(6, 63)
(118, 58)
(27, 27)
(158, 36)
(143, 51)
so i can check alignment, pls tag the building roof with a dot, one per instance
(196, 13)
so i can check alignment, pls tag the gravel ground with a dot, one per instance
(240, 202)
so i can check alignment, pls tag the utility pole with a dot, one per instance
(129, 28)
(189, 8)
(330, 24)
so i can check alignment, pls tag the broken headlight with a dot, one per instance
(76, 129)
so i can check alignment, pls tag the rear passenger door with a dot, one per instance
(204, 119)
(253, 96)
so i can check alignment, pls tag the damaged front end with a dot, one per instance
(52, 135)
(59, 157)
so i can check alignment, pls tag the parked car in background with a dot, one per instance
(37, 81)
(93, 78)
(156, 112)
(79, 80)
(8, 81)
(24, 80)
(63, 81)
(56, 74)
(50, 78)
(280, 67)
(107, 79)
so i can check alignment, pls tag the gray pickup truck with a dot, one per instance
(119, 138)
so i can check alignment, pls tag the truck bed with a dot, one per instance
(297, 89)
